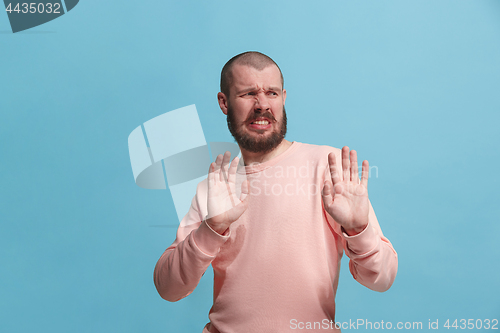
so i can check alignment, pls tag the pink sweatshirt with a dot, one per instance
(279, 264)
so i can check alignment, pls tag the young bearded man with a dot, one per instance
(274, 225)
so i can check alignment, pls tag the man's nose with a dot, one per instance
(262, 102)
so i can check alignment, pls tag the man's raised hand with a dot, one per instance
(224, 205)
(345, 197)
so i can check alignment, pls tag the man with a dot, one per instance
(274, 225)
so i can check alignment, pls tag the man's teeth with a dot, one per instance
(261, 122)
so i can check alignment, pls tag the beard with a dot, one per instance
(246, 141)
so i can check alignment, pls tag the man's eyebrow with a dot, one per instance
(275, 88)
(248, 89)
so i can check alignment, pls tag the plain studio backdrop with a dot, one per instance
(411, 85)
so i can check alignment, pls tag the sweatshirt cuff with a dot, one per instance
(208, 240)
(363, 242)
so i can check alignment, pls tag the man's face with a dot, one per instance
(255, 108)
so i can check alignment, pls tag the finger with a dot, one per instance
(231, 178)
(327, 189)
(327, 193)
(354, 167)
(243, 204)
(345, 164)
(334, 169)
(211, 173)
(215, 167)
(244, 190)
(364, 173)
(224, 166)
(218, 162)
(239, 209)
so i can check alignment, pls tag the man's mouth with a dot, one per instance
(260, 124)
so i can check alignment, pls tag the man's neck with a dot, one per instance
(251, 158)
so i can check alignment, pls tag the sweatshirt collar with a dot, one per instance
(258, 167)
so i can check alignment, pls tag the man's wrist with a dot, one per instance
(221, 230)
(354, 231)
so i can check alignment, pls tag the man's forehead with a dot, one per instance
(244, 75)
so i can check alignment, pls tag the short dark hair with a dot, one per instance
(253, 59)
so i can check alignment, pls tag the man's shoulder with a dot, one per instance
(317, 150)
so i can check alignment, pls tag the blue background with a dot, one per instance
(411, 85)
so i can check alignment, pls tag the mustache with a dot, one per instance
(255, 116)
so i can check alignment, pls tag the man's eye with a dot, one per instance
(273, 93)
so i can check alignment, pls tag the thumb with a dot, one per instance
(326, 194)
(244, 190)
(239, 209)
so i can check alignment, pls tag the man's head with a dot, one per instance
(252, 59)
(253, 98)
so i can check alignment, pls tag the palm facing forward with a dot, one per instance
(346, 198)
(224, 205)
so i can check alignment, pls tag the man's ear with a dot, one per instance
(284, 96)
(222, 102)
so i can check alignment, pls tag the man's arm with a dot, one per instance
(199, 240)
(374, 261)
(181, 266)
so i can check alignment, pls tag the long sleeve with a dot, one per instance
(182, 265)
(373, 260)
(285, 241)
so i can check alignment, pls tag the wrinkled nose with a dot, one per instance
(262, 103)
